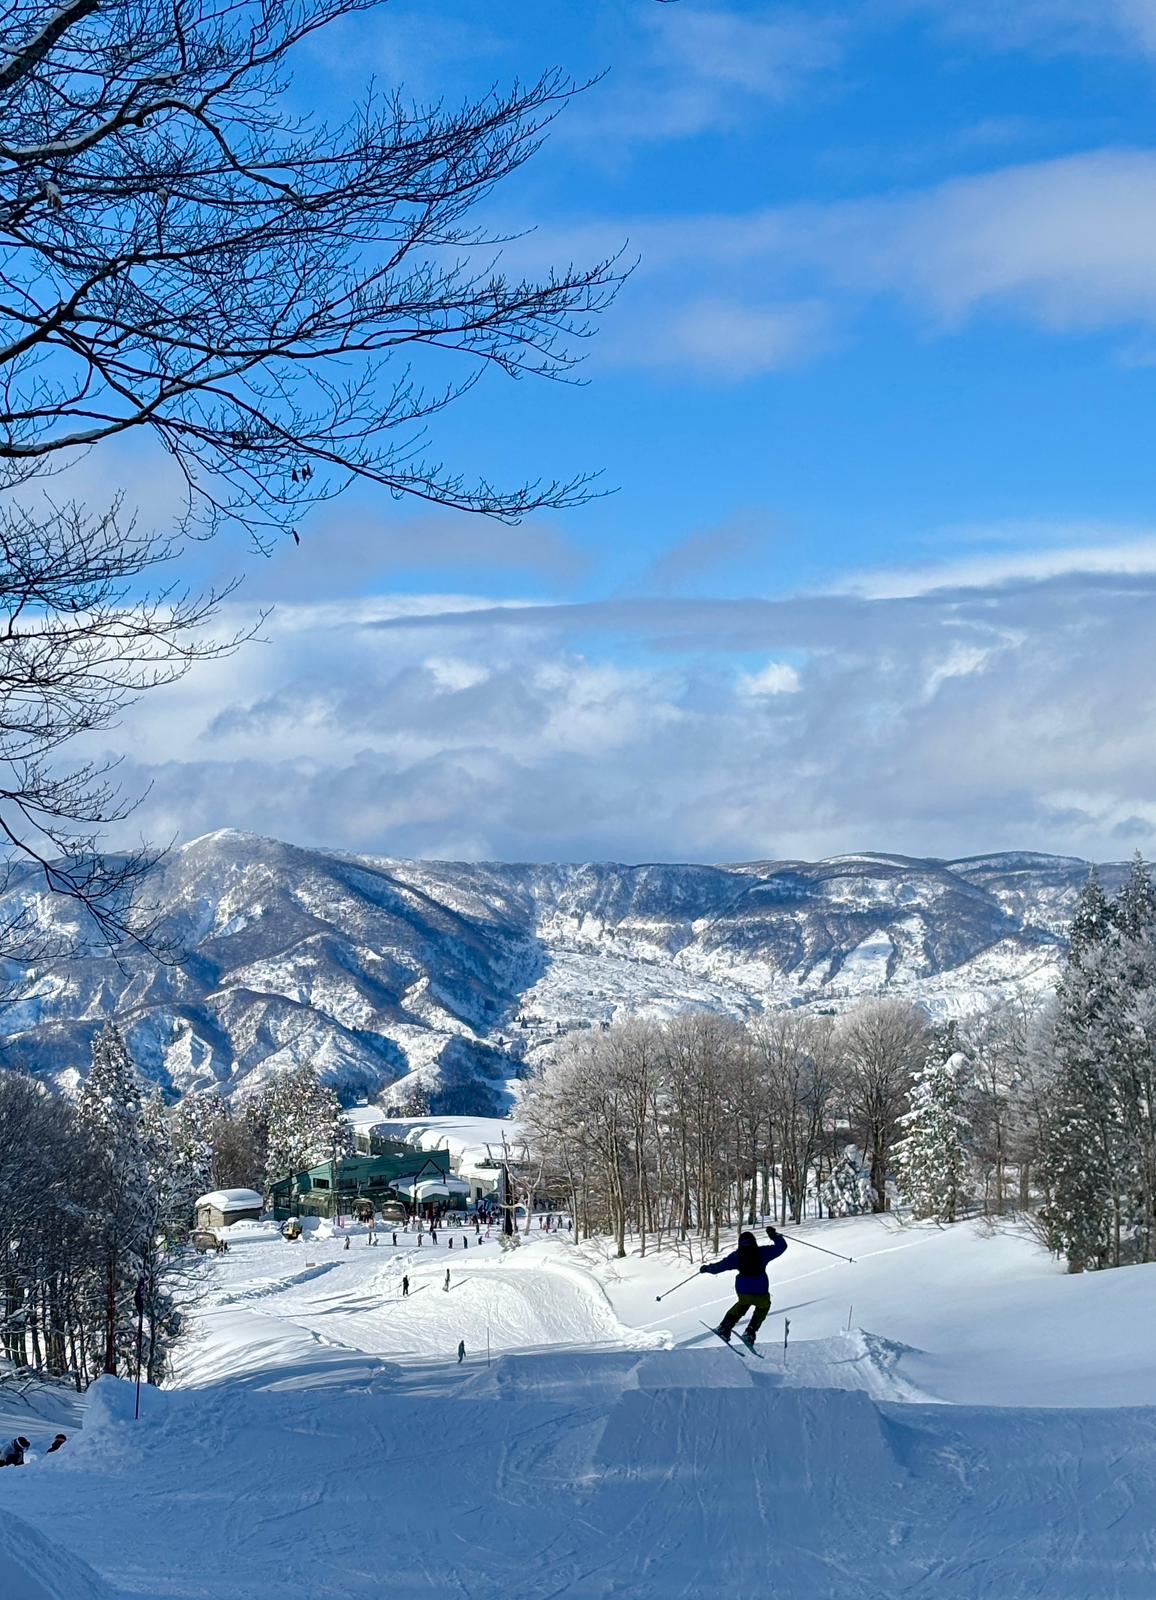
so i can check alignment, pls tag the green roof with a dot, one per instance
(361, 1171)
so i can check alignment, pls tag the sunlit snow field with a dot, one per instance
(952, 1415)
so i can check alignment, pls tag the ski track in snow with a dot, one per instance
(322, 1438)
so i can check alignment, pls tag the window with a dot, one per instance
(321, 1183)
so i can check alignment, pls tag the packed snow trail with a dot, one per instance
(325, 1440)
(591, 1476)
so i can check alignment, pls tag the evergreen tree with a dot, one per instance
(848, 1192)
(1134, 909)
(306, 1125)
(932, 1155)
(1083, 1157)
(110, 1112)
(180, 1155)
(1092, 919)
(1076, 1170)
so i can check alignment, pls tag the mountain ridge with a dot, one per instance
(458, 974)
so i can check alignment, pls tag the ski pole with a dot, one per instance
(795, 1240)
(681, 1285)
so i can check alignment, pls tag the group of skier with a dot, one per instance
(12, 1454)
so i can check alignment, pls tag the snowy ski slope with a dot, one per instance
(985, 1428)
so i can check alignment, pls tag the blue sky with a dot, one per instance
(878, 410)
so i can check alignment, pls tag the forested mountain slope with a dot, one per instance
(376, 968)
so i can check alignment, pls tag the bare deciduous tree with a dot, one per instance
(185, 256)
(880, 1042)
(278, 304)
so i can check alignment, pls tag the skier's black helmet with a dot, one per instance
(748, 1253)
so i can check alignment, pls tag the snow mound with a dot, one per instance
(32, 1568)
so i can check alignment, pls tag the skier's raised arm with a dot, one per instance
(772, 1252)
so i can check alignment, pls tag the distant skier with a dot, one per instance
(461, 1351)
(404, 1287)
(12, 1454)
(395, 1241)
(347, 1241)
(750, 1261)
(446, 1284)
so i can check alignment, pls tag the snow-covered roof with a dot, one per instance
(233, 1200)
(425, 1187)
(365, 1116)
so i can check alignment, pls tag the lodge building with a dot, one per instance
(418, 1179)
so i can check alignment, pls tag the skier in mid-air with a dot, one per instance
(750, 1260)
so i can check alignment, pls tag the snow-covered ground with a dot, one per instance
(981, 1429)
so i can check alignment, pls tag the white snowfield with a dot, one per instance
(985, 1429)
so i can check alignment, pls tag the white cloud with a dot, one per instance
(777, 677)
(928, 717)
(1067, 245)
(1134, 556)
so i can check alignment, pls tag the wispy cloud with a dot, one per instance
(704, 67)
(721, 338)
(1077, 26)
(1066, 245)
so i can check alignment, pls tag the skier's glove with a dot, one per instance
(702, 1268)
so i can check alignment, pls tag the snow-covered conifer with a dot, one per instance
(848, 1192)
(932, 1154)
(110, 1111)
(306, 1125)
(1134, 909)
(1083, 1150)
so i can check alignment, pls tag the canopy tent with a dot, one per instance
(432, 1188)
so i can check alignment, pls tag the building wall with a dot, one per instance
(211, 1217)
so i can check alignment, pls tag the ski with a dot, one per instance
(721, 1340)
(735, 1344)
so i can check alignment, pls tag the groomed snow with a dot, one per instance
(983, 1428)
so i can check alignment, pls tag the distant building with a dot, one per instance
(223, 1207)
(333, 1188)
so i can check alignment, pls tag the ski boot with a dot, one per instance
(748, 1339)
(723, 1333)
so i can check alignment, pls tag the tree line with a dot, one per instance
(97, 1196)
(664, 1129)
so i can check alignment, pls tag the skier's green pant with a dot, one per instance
(759, 1303)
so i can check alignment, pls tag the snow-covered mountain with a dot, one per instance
(459, 973)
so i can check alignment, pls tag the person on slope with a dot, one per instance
(12, 1454)
(750, 1260)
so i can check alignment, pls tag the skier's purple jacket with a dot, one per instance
(750, 1282)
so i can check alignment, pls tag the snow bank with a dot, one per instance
(33, 1568)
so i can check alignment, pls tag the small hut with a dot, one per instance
(223, 1207)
